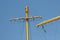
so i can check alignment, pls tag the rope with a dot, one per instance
(43, 29)
(30, 34)
(43, 34)
(28, 2)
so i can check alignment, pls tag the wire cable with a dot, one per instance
(30, 33)
(43, 28)
(43, 34)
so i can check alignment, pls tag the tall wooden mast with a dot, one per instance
(26, 19)
(27, 28)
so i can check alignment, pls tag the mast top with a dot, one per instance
(26, 9)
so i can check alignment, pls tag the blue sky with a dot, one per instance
(16, 30)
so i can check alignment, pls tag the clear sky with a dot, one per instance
(16, 30)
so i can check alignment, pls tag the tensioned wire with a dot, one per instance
(42, 34)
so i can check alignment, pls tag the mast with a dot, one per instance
(27, 28)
